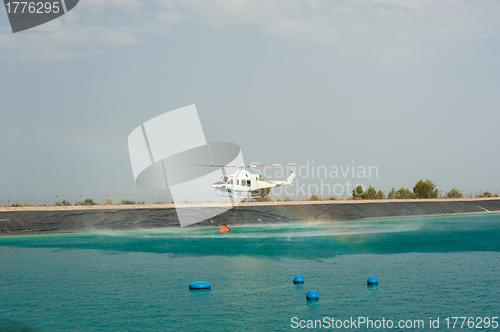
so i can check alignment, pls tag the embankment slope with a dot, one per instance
(26, 220)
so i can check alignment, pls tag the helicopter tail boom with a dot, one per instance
(272, 184)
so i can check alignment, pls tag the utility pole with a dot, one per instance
(55, 200)
(8, 201)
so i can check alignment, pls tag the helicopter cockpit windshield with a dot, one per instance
(222, 180)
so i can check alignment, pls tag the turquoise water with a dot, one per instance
(138, 281)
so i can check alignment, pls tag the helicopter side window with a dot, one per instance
(230, 181)
(243, 182)
(249, 183)
(238, 182)
(222, 180)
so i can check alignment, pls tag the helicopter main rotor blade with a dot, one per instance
(271, 165)
(245, 166)
(219, 165)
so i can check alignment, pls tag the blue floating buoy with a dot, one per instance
(200, 285)
(312, 295)
(298, 279)
(372, 281)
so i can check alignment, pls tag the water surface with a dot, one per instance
(138, 281)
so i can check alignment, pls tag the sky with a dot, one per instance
(409, 87)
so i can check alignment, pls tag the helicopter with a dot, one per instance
(243, 183)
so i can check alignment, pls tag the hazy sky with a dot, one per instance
(412, 87)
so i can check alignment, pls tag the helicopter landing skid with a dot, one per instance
(236, 195)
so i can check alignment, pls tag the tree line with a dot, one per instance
(422, 189)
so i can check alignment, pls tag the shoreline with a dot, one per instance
(71, 219)
(273, 203)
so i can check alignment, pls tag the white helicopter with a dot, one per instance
(243, 183)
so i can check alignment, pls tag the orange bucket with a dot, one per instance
(224, 229)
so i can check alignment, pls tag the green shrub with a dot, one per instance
(425, 189)
(404, 193)
(358, 193)
(454, 193)
(88, 201)
(314, 197)
(370, 193)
